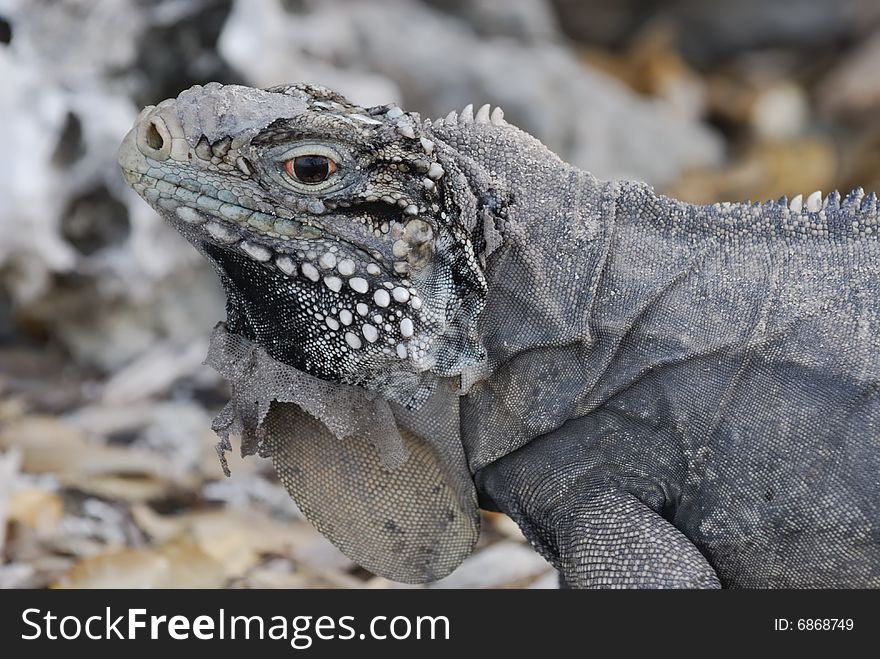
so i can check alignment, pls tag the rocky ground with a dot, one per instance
(108, 475)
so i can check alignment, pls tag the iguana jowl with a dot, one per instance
(427, 314)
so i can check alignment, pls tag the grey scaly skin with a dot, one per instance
(660, 394)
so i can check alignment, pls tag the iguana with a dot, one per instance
(428, 317)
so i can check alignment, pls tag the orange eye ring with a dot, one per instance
(310, 168)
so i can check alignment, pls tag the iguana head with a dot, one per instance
(341, 234)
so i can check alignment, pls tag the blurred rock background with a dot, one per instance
(108, 475)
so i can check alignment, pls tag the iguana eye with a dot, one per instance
(310, 168)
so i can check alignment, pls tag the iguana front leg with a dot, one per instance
(587, 523)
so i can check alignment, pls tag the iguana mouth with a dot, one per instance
(287, 242)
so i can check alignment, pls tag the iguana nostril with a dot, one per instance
(153, 138)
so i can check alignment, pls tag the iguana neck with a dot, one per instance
(540, 228)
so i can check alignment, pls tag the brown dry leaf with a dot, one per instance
(767, 171)
(192, 567)
(178, 564)
(46, 443)
(301, 578)
(122, 569)
(49, 445)
(236, 539)
(11, 408)
(135, 487)
(36, 509)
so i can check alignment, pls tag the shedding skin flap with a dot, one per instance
(403, 504)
